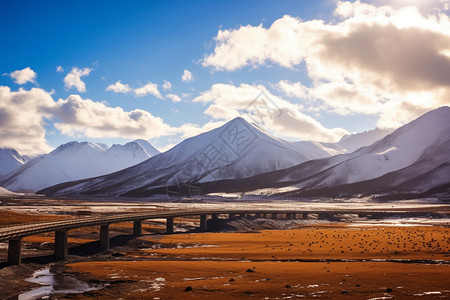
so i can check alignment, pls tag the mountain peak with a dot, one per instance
(75, 146)
(148, 148)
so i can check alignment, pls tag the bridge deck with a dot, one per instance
(23, 230)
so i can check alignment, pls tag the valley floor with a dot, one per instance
(326, 260)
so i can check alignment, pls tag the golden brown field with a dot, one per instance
(327, 262)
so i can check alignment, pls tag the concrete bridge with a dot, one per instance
(14, 234)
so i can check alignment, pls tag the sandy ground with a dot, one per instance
(326, 261)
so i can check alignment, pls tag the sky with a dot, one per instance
(114, 71)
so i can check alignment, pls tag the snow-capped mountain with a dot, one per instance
(413, 159)
(75, 161)
(10, 160)
(235, 150)
(406, 146)
(351, 142)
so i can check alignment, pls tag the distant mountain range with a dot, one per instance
(74, 161)
(232, 152)
(412, 161)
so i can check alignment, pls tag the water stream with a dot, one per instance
(53, 283)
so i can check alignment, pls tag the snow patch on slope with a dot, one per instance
(10, 160)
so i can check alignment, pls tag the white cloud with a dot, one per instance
(22, 119)
(119, 87)
(173, 97)
(296, 89)
(149, 88)
(167, 86)
(73, 79)
(187, 76)
(189, 129)
(59, 69)
(370, 60)
(24, 115)
(95, 119)
(274, 114)
(23, 76)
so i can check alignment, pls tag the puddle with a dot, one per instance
(52, 284)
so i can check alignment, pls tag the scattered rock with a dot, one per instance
(250, 271)
(231, 280)
(345, 292)
(188, 288)
(389, 290)
(287, 286)
(357, 285)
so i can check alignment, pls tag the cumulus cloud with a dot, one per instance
(173, 97)
(97, 120)
(188, 130)
(22, 119)
(59, 69)
(187, 76)
(370, 59)
(25, 113)
(149, 88)
(167, 86)
(119, 87)
(258, 105)
(23, 76)
(73, 79)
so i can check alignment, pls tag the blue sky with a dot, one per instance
(154, 42)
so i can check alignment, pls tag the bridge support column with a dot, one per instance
(265, 216)
(305, 216)
(242, 215)
(231, 216)
(203, 222)
(323, 216)
(288, 216)
(61, 244)
(137, 228)
(294, 216)
(258, 215)
(169, 225)
(274, 216)
(15, 251)
(104, 237)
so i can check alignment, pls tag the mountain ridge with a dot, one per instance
(73, 161)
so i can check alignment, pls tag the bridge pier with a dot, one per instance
(169, 225)
(294, 216)
(104, 237)
(305, 216)
(61, 244)
(242, 215)
(274, 216)
(288, 216)
(265, 216)
(137, 228)
(15, 251)
(203, 222)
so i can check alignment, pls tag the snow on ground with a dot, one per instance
(5, 192)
